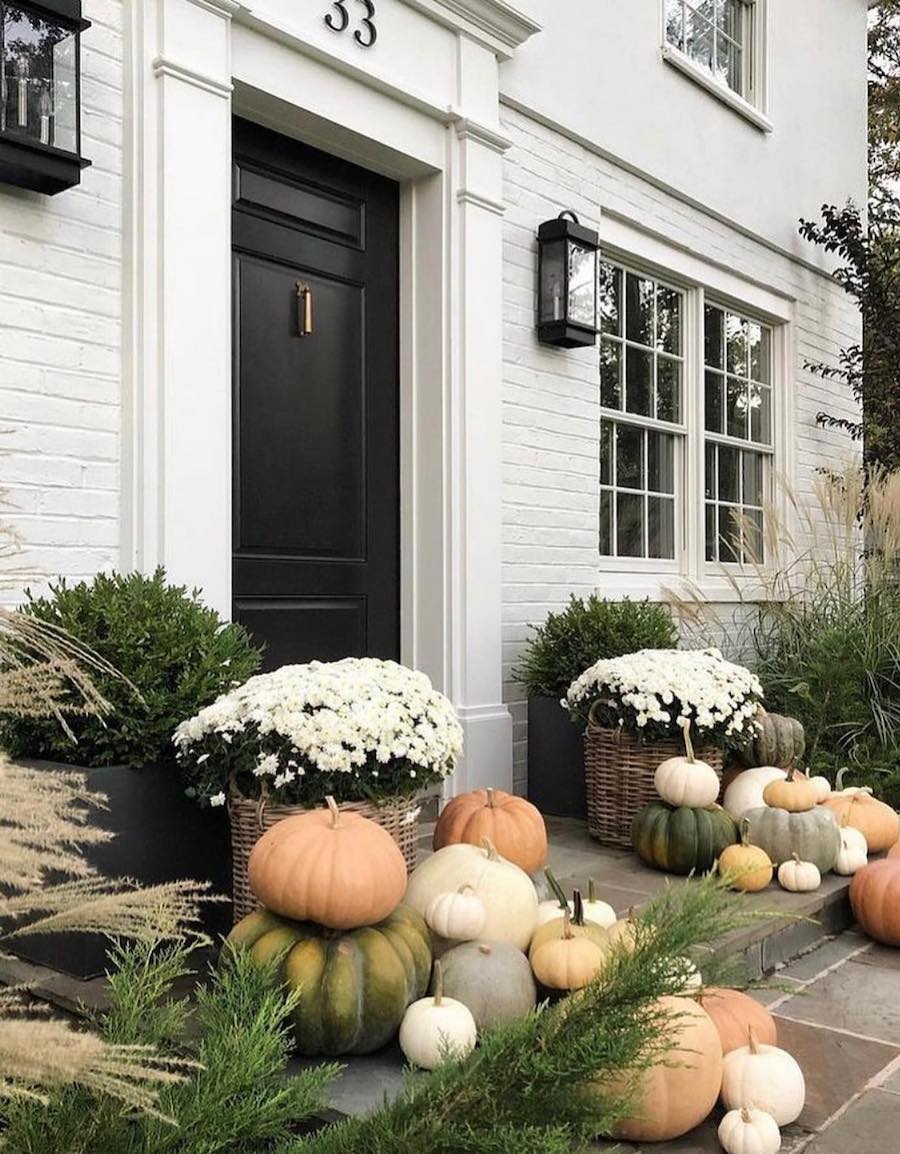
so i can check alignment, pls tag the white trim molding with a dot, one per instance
(700, 76)
(498, 25)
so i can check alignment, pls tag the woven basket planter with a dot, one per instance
(251, 818)
(619, 772)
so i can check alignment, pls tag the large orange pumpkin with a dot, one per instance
(512, 824)
(875, 820)
(340, 870)
(734, 1014)
(875, 898)
(677, 1094)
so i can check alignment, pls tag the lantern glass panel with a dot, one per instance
(38, 90)
(553, 281)
(582, 286)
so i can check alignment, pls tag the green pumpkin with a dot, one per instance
(813, 835)
(354, 987)
(681, 840)
(779, 741)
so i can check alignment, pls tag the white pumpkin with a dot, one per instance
(687, 781)
(458, 915)
(550, 910)
(595, 910)
(436, 1028)
(766, 1078)
(506, 892)
(749, 1131)
(799, 877)
(854, 852)
(689, 977)
(746, 791)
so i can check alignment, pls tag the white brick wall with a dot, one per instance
(61, 342)
(551, 403)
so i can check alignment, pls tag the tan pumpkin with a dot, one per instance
(875, 899)
(875, 820)
(576, 922)
(796, 793)
(894, 851)
(748, 867)
(567, 962)
(734, 1013)
(340, 870)
(821, 785)
(512, 824)
(679, 1092)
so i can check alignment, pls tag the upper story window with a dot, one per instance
(721, 45)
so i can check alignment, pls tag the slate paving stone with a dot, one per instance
(892, 1083)
(767, 997)
(870, 1126)
(835, 1066)
(365, 1082)
(860, 998)
(883, 957)
(828, 954)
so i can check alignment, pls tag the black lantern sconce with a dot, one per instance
(40, 94)
(567, 283)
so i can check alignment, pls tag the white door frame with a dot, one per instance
(194, 63)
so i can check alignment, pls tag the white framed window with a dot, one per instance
(690, 407)
(722, 45)
(739, 441)
(641, 391)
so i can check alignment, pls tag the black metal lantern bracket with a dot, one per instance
(567, 282)
(40, 94)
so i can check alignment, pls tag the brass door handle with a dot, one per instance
(304, 309)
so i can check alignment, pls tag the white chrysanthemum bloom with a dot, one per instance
(335, 716)
(711, 693)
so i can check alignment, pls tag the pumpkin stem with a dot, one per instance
(796, 857)
(751, 1040)
(438, 983)
(839, 780)
(592, 890)
(688, 744)
(485, 950)
(578, 908)
(467, 886)
(745, 832)
(746, 1116)
(490, 798)
(490, 849)
(336, 822)
(556, 889)
(567, 927)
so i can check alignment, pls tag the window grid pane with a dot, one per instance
(638, 473)
(714, 34)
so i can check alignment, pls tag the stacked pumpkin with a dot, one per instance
(686, 831)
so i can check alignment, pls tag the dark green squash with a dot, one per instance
(778, 741)
(355, 986)
(682, 840)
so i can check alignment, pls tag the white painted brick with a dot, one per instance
(61, 350)
(551, 403)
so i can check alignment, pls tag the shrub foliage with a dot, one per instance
(175, 654)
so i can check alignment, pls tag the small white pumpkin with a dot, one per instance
(746, 791)
(596, 910)
(766, 1078)
(436, 1028)
(685, 780)
(749, 1131)
(689, 978)
(458, 915)
(854, 851)
(799, 877)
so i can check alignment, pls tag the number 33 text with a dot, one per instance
(339, 20)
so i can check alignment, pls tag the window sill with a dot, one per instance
(711, 588)
(736, 103)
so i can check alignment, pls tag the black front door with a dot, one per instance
(316, 402)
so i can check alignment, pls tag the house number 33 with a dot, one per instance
(339, 20)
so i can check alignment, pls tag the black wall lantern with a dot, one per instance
(567, 283)
(40, 94)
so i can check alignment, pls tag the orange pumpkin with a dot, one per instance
(796, 793)
(894, 851)
(875, 820)
(875, 898)
(676, 1095)
(340, 870)
(734, 1014)
(512, 824)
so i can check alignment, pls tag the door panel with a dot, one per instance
(316, 417)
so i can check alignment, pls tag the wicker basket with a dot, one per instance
(619, 772)
(251, 818)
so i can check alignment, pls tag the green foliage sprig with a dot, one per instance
(176, 655)
(587, 631)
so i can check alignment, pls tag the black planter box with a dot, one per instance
(161, 836)
(555, 760)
